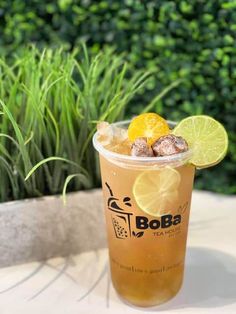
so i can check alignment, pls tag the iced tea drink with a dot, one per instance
(146, 252)
(147, 191)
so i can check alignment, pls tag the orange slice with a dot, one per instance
(149, 125)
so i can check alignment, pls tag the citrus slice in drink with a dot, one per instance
(156, 192)
(149, 125)
(206, 137)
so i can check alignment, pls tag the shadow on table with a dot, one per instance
(210, 280)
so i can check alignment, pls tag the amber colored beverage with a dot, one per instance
(146, 252)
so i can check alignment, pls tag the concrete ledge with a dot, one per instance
(37, 229)
(41, 228)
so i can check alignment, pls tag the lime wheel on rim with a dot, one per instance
(206, 137)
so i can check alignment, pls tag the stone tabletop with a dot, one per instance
(80, 284)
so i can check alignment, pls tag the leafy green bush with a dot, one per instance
(50, 104)
(177, 39)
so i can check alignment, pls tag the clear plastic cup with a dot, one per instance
(147, 252)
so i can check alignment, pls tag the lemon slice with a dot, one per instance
(156, 192)
(149, 125)
(206, 137)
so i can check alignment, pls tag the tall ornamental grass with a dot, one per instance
(50, 102)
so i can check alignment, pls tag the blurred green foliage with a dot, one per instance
(50, 103)
(176, 39)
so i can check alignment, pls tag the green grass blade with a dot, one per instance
(51, 159)
(82, 178)
(21, 142)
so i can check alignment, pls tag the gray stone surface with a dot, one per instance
(37, 229)
(41, 228)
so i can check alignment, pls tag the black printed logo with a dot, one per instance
(121, 218)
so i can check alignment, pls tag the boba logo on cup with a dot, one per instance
(121, 219)
(165, 221)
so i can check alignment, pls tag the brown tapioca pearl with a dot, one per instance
(169, 145)
(140, 148)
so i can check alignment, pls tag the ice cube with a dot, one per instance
(120, 134)
(123, 147)
(105, 133)
(114, 138)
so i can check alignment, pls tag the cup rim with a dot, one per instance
(185, 156)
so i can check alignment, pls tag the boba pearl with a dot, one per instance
(140, 148)
(169, 145)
